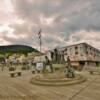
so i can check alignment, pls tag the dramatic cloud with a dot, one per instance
(63, 22)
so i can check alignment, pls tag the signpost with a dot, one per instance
(39, 66)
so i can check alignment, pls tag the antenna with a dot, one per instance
(40, 40)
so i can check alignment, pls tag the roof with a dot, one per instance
(76, 45)
(84, 44)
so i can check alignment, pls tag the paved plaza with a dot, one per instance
(20, 88)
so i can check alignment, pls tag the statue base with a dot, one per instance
(54, 79)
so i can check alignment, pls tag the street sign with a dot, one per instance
(39, 66)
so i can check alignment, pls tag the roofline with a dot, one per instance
(81, 43)
(92, 47)
(75, 45)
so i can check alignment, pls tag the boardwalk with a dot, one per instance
(20, 88)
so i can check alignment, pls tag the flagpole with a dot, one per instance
(40, 44)
(40, 41)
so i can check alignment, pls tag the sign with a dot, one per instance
(39, 66)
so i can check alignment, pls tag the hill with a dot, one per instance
(10, 49)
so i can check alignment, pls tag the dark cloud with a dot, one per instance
(60, 20)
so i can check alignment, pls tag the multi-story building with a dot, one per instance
(82, 54)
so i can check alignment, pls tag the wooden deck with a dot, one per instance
(20, 88)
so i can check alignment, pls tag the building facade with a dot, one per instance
(82, 54)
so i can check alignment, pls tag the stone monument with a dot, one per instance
(69, 71)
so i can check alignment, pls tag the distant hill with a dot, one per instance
(10, 49)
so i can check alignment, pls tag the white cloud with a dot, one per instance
(47, 21)
(90, 37)
(63, 22)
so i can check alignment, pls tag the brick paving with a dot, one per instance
(20, 88)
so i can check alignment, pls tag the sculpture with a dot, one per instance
(69, 70)
(47, 63)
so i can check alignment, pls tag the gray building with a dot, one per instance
(82, 54)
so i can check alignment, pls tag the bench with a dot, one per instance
(33, 71)
(15, 73)
(94, 71)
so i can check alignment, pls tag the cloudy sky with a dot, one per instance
(63, 22)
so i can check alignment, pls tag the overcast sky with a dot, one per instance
(63, 22)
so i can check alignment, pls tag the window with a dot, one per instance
(66, 49)
(76, 47)
(76, 52)
(86, 52)
(86, 46)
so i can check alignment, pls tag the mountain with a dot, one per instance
(10, 49)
